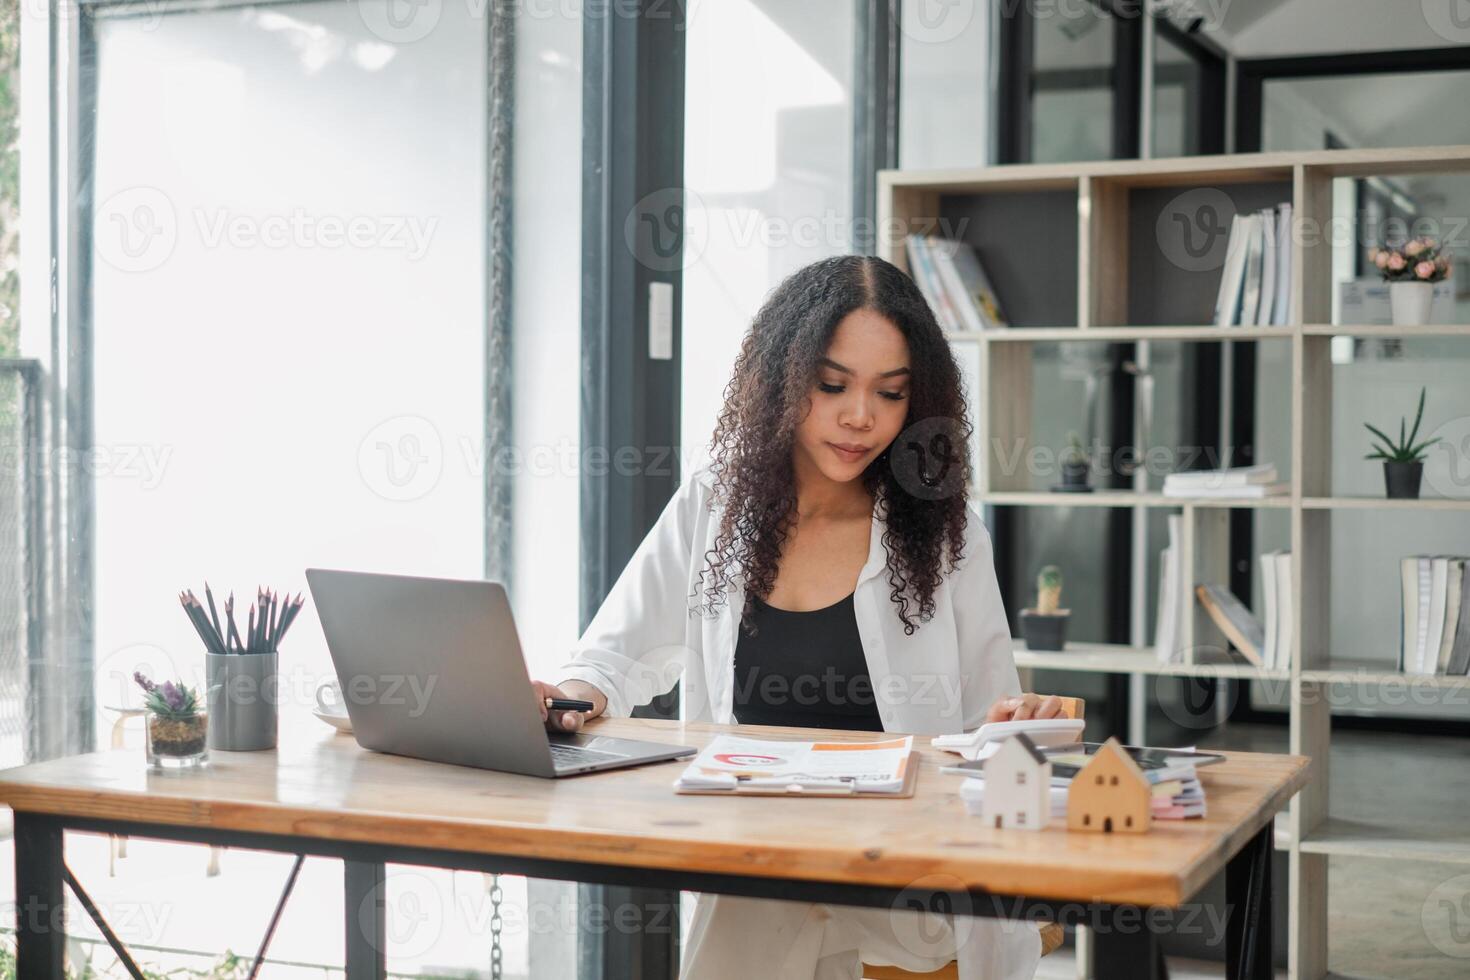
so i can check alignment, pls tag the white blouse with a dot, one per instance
(941, 679)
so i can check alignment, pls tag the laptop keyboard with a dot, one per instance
(573, 755)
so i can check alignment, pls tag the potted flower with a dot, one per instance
(1075, 467)
(1403, 458)
(1411, 271)
(177, 726)
(1045, 627)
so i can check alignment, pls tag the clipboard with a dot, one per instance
(843, 787)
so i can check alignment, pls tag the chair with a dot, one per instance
(1052, 933)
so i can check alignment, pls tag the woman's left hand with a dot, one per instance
(1023, 706)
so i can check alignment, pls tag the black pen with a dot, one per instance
(568, 704)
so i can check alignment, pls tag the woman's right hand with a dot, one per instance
(568, 721)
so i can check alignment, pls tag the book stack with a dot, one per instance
(1245, 482)
(1436, 615)
(1276, 592)
(953, 281)
(1255, 284)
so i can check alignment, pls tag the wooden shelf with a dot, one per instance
(1122, 498)
(1357, 839)
(1123, 278)
(1113, 658)
(1383, 503)
(1377, 672)
(1428, 330)
(1015, 335)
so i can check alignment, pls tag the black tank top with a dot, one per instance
(804, 669)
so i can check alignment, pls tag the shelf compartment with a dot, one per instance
(1114, 658)
(1124, 498)
(1354, 838)
(1383, 503)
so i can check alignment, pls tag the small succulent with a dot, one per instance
(1404, 449)
(168, 699)
(1049, 591)
(1075, 454)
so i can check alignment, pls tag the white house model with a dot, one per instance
(1017, 786)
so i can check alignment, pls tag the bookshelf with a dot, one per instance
(1123, 289)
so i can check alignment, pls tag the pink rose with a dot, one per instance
(1396, 262)
(1413, 248)
(1380, 258)
(1424, 270)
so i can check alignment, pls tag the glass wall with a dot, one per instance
(290, 298)
(768, 173)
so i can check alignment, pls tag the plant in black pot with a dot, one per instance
(1403, 458)
(1045, 627)
(1075, 467)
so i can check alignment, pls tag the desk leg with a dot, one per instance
(1248, 899)
(1126, 947)
(363, 902)
(40, 903)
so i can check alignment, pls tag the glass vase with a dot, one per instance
(177, 741)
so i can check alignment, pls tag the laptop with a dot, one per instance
(432, 668)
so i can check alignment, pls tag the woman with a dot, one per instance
(824, 571)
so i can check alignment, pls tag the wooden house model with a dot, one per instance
(1017, 786)
(1110, 794)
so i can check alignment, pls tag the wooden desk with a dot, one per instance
(321, 794)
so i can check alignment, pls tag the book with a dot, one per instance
(1272, 627)
(1268, 268)
(1281, 309)
(1232, 275)
(1424, 593)
(1253, 491)
(1239, 625)
(1459, 663)
(926, 277)
(1454, 583)
(735, 764)
(1239, 476)
(1439, 570)
(968, 286)
(1285, 618)
(1408, 612)
(1250, 290)
(1171, 596)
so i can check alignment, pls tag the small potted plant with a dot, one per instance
(1045, 627)
(1411, 270)
(177, 726)
(1403, 458)
(1075, 467)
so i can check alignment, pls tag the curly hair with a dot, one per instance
(768, 396)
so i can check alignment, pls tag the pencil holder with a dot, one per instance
(244, 693)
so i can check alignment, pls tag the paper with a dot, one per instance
(733, 762)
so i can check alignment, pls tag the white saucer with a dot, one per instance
(340, 722)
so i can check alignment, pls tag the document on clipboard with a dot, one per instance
(732, 764)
